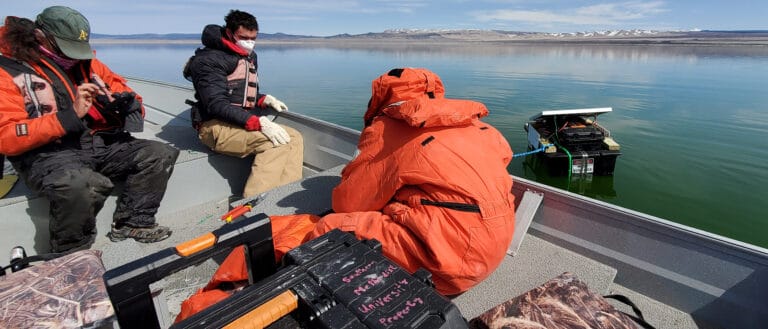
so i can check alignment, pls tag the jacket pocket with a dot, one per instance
(485, 250)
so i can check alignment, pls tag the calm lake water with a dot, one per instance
(692, 121)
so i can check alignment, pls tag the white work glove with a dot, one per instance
(275, 103)
(276, 134)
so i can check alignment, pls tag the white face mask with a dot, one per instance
(246, 45)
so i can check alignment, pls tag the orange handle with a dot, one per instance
(267, 313)
(234, 213)
(190, 247)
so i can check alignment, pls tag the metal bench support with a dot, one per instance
(523, 218)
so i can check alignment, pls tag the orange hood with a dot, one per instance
(402, 85)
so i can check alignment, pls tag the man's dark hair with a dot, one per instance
(237, 18)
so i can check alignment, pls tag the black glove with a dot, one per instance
(123, 106)
(130, 108)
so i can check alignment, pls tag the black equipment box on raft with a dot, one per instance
(581, 139)
(336, 281)
(128, 285)
(572, 142)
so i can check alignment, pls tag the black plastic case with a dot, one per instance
(341, 282)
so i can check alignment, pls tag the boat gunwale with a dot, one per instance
(657, 225)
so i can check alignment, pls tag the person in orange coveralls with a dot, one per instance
(65, 123)
(430, 183)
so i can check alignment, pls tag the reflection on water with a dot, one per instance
(173, 55)
(691, 120)
(557, 50)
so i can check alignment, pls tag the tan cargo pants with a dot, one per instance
(272, 166)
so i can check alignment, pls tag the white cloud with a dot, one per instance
(599, 14)
(623, 11)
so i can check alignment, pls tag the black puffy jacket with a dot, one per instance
(208, 71)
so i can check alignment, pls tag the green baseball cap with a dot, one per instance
(70, 29)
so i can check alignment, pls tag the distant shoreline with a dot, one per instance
(678, 41)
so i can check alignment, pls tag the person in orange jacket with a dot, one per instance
(430, 183)
(65, 122)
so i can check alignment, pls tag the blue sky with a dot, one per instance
(331, 17)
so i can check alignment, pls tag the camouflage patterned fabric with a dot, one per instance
(66, 292)
(563, 302)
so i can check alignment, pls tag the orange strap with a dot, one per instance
(72, 93)
(267, 313)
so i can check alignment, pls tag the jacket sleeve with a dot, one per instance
(370, 180)
(209, 78)
(19, 133)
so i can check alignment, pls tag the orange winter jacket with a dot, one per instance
(20, 129)
(431, 184)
